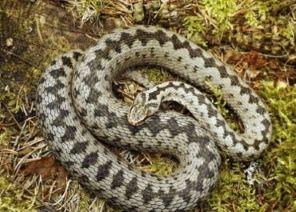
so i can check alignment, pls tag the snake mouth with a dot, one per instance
(134, 123)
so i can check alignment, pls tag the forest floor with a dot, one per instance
(257, 38)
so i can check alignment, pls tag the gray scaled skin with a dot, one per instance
(78, 110)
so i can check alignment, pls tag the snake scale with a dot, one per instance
(78, 109)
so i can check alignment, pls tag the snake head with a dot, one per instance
(141, 109)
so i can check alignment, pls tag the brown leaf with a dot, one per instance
(255, 60)
(48, 168)
(252, 59)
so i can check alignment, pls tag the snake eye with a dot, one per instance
(140, 99)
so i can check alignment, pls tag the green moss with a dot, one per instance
(86, 10)
(5, 135)
(11, 98)
(22, 62)
(232, 192)
(157, 76)
(248, 24)
(221, 12)
(87, 204)
(217, 98)
(195, 29)
(256, 13)
(217, 22)
(11, 198)
(281, 158)
(161, 166)
(289, 32)
(275, 184)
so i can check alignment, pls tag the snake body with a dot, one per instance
(78, 109)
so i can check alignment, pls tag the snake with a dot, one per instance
(80, 115)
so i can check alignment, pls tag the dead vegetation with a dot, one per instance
(256, 37)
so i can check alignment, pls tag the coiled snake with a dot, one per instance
(75, 91)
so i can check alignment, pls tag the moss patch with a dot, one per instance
(28, 44)
(280, 161)
(11, 198)
(275, 181)
(233, 193)
(247, 24)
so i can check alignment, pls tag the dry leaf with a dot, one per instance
(48, 168)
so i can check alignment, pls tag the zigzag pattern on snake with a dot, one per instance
(77, 110)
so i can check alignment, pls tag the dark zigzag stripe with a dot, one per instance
(104, 170)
